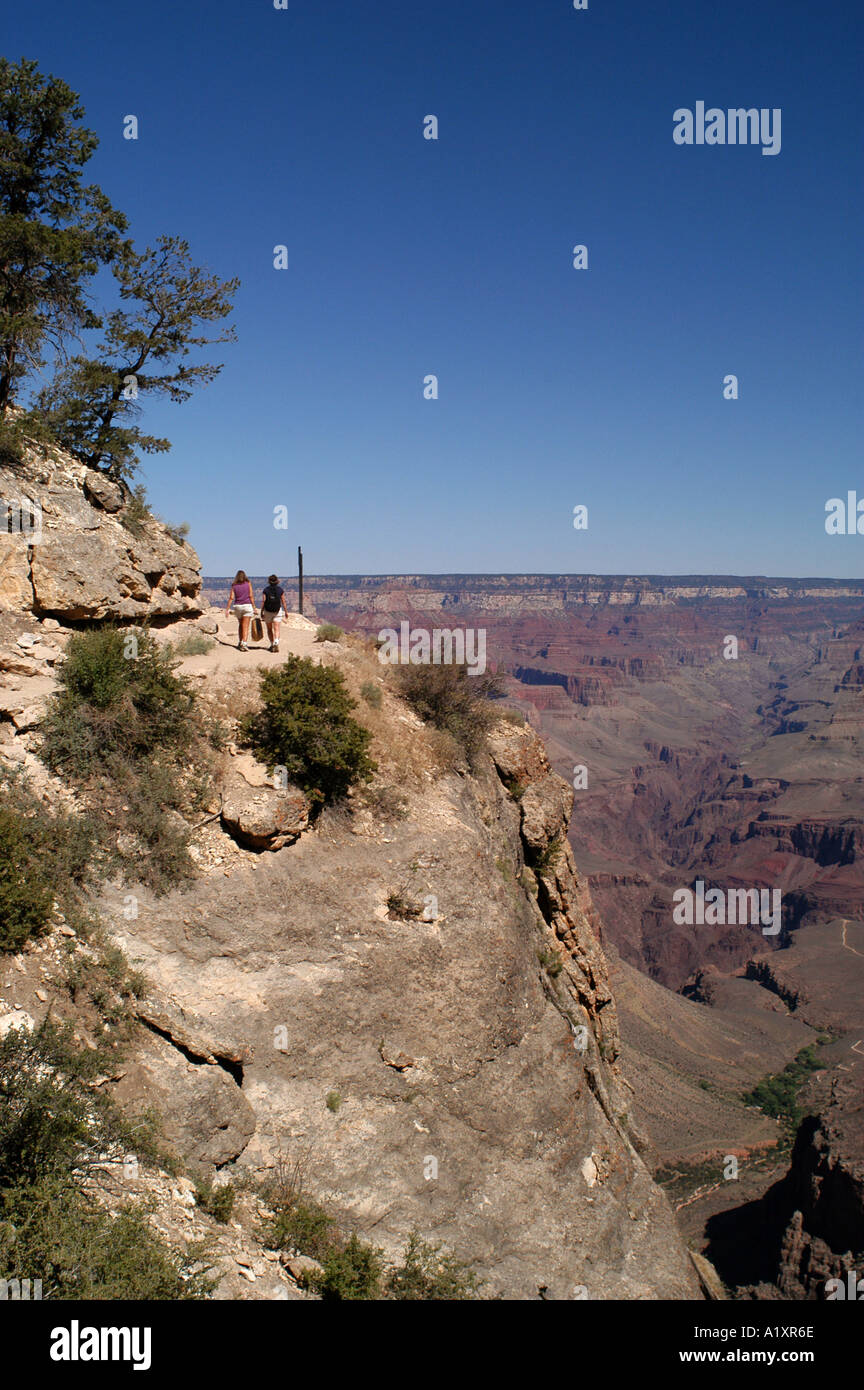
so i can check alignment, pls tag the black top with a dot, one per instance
(273, 597)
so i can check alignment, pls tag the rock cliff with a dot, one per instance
(454, 1072)
(75, 546)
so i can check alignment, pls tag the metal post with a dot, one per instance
(300, 576)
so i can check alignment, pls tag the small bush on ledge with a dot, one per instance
(451, 699)
(127, 730)
(305, 726)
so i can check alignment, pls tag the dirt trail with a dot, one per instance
(845, 923)
(297, 637)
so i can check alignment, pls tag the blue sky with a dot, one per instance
(558, 387)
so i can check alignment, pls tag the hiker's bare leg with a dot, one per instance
(244, 629)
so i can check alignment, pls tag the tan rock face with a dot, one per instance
(82, 562)
(265, 819)
(102, 492)
(16, 591)
(480, 1099)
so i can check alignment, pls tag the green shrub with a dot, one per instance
(57, 854)
(352, 1269)
(551, 963)
(26, 887)
(119, 695)
(514, 787)
(328, 632)
(777, 1095)
(127, 730)
(514, 716)
(371, 694)
(53, 1121)
(351, 1272)
(102, 976)
(546, 857)
(81, 1252)
(427, 1274)
(218, 1202)
(334, 1100)
(305, 726)
(302, 1226)
(55, 1125)
(449, 698)
(136, 513)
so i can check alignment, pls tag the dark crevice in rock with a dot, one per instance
(199, 1058)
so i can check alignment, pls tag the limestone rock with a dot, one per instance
(29, 716)
(482, 1143)
(17, 1019)
(546, 808)
(546, 800)
(81, 562)
(265, 819)
(16, 591)
(712, 1284)
(204, 1111)
(19, 665)
(394, 1057)
(302, 1267)
(102, 492)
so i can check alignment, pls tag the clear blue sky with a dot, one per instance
(604, 387)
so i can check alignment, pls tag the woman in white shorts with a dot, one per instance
(273, 605)
(241, 605)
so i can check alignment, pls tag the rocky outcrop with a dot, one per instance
(70, 549)
(809, 1227)
(545, 802)
(824, 1237)
(265, 819)
(455, 1073)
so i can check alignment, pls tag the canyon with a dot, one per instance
(656, 734)
(744, 773)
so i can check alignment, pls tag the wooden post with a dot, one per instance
(300, 576)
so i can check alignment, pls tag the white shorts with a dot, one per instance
(243, 610)
(271, 617)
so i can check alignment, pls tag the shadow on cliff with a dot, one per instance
(744, 1244)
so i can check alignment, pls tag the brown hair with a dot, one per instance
(274, 579)
(240, 577)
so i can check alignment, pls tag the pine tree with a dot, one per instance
(92, 405)
(55, 231)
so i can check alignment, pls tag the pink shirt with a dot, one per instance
(242, 593)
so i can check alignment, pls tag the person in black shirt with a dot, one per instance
(273, 605)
